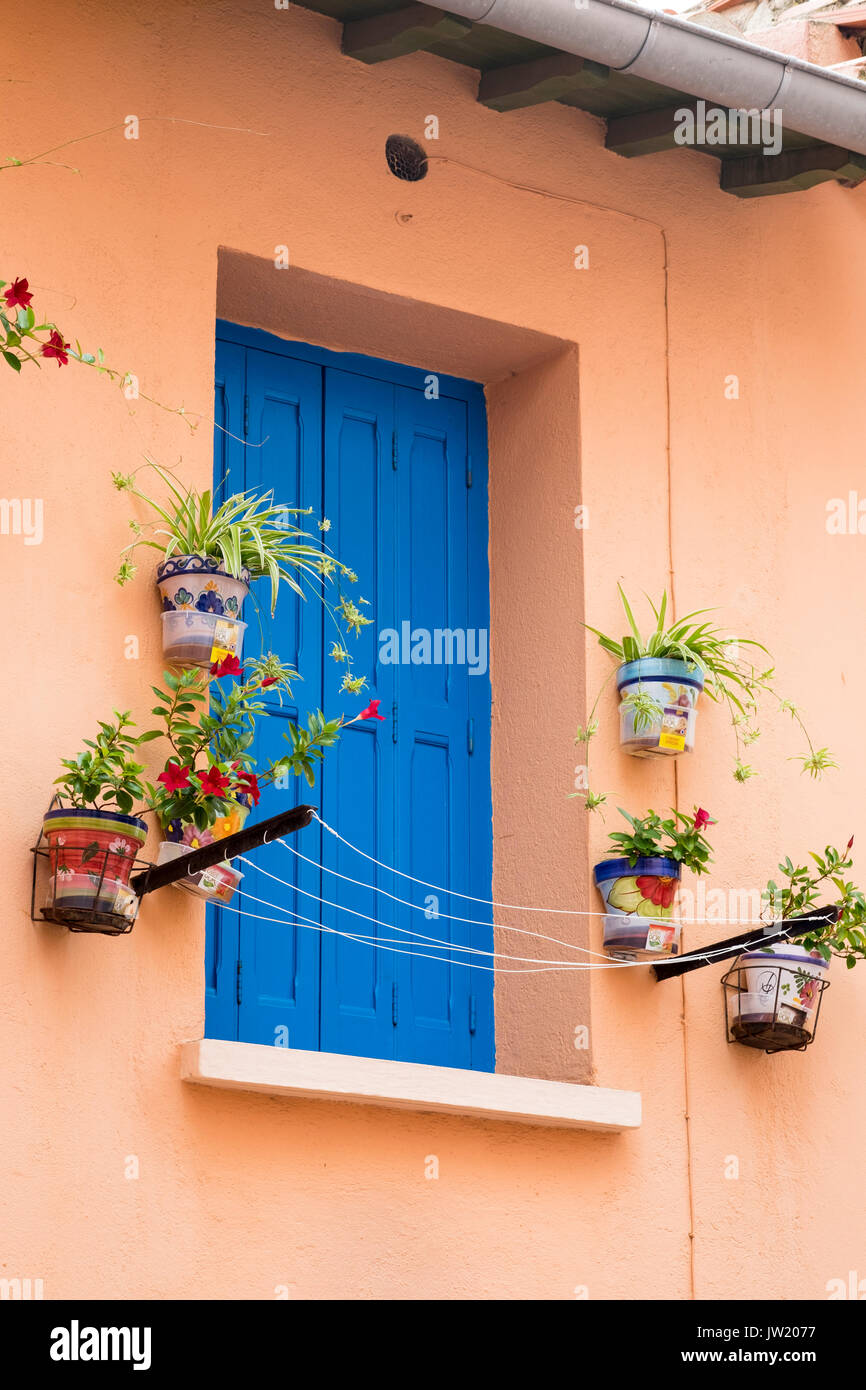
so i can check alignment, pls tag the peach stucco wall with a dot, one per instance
(238, 1195)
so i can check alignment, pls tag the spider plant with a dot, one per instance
(730, 678)
(248, 531)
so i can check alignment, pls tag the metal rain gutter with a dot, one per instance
(671, 51)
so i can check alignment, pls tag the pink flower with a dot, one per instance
(249, 784)
(229, 666)
(702, 818)
(213, 782)
(174, 778)
(55, 347)
(17, 295)
(372, 711)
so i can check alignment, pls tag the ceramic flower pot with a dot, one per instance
(215, 885)
(187, 834)
(639, 905)
(91, 854)
(201, 608)
(675, 689)
(776, 996)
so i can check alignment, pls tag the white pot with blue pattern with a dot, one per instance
(201, 609)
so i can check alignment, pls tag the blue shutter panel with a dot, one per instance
(437, 999)
(280, 980)
(358, 775)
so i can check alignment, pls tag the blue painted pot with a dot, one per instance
(639, 902)
(675, 687)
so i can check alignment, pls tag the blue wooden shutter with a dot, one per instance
(358, 775)
(443, 1008)
(403, 480)
(279, 985)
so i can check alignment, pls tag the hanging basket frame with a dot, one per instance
(779, 1033)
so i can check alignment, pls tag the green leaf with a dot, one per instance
(14, 362)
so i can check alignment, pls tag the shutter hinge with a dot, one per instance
(473, 1014)
(394, 1003)
(394, 449)
(246, 416)
(470, 736)
(469, 472)
(239, 980)
(394, 722)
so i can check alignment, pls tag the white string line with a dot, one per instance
(363, 940)
(421, 938)
(519, 907)
(379, 945)
(705, 956)
(471, 921)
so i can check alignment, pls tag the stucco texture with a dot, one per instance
(238, 1196)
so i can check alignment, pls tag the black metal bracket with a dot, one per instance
(735, 945)
(242, 842)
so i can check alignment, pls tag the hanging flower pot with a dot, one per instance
(218, 883)
(215, 884)
(91, 854)
(639, 883)
(773, 997)
(639, 904)
(658, 707)
(201, 607)
(661, 673)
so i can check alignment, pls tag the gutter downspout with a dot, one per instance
(662, 48)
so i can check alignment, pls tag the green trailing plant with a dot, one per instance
(677, 836)
(799, 893)
(107, 775)
(247, 531)
(210, 732)
(730, 678)
(26, 337)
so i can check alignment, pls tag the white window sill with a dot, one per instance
(281, 1071)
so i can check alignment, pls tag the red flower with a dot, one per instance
(372, 711)
(213, 782)
(660, 891)
(175, 777)
(702, 818)
(269, 680)
(229, 666)
(249, 783)
(17, 294)
(55, 347)
(850, 843)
